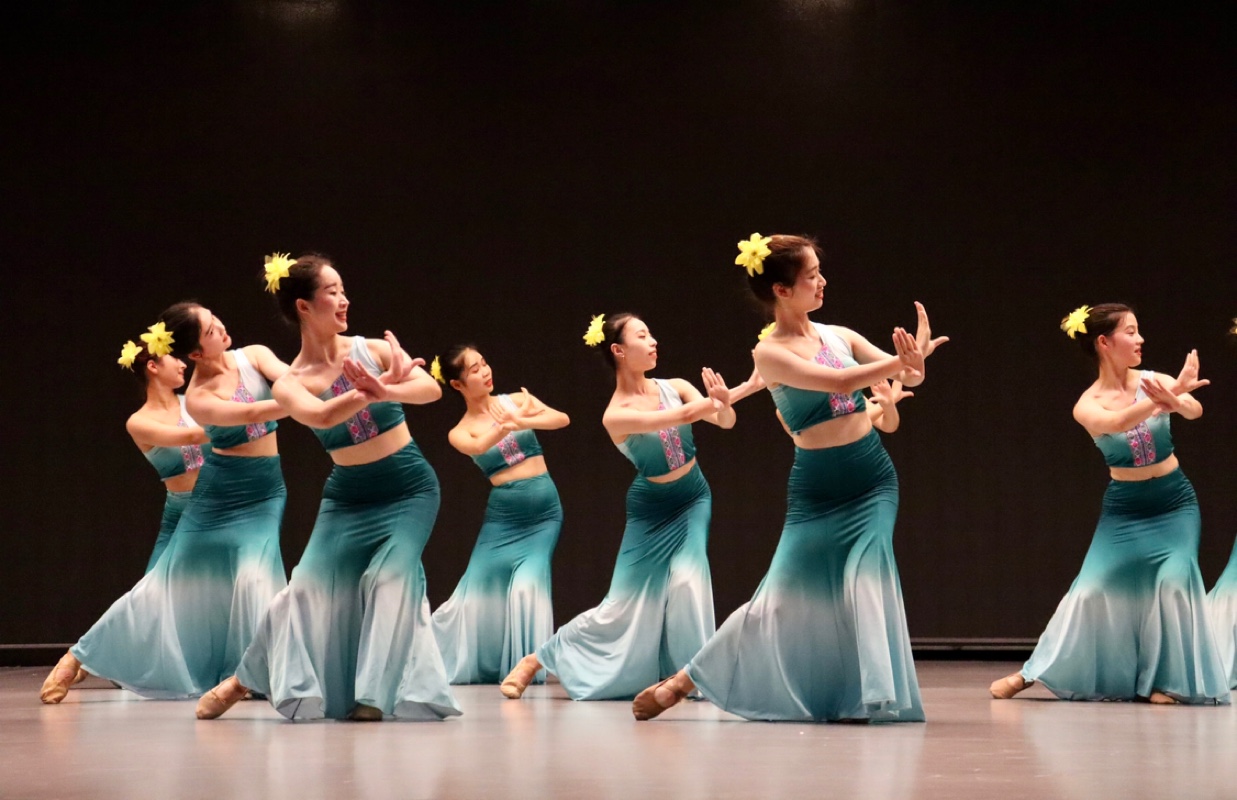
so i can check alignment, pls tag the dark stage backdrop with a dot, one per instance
(498, 172)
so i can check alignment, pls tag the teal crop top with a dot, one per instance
(1149, 442)
(172, 461)
(662, 451)
(251, 388)
(371, 421)
(510, 450)
(803, 408)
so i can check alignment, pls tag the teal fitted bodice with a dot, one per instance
(172, 461)
(374, 419)
(251, 388)
(510, 450)
(803, 408)
(661, 451)
(1149, 442)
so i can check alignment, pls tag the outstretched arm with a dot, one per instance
(147, 433)
(778, 365)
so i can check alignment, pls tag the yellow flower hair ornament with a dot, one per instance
(158, 340)
(1076, 321)
(277, 265)
(128, 354)
(765, 331)
(752, 254)
(436, 370)
(595, 335)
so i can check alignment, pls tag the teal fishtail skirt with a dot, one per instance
(173, 507)
(824, 638)
(501, 609)
(1135, 619)
(353, 626)
(184, 626)
(1222, 605)
(659, 610)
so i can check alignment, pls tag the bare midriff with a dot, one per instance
(1146, 473)
(530, 467)
(182, 483)
(265, 446)
(674, 474)
(834, 432)
(375, 449)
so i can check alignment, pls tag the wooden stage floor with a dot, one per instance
(106, 743)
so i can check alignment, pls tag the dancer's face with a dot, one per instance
(214, 338)
(808, 291)
(329, 308)
(638, 350)
(166, 371)
(476, 378)
(1125, 344)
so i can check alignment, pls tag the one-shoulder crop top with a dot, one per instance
(510, 450)
(172, 461)
(1149, 442)
(371, 421)
(251, 388)
(663, 451)
(803, 408)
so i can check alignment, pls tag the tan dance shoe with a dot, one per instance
(647, 706)
(58, 681)
(1007, 687)
(517, 680)
(218, 700)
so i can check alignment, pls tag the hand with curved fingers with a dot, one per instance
(715, 387)
(889, 393)
(365, 384)
(503, 416)
(923, 332)
(908, 351)
(1166, 401)
(526, 405)
(1188, 380)
(401, 365)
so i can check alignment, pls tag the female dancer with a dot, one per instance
(350, 637)
(1133, 624)
(501, 608)
(824, 638)
(1222, 606)
(186, 623)
(659, 609)
(165, 433)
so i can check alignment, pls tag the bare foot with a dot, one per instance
(1161, 699)
(1008, 686)
(517, 680)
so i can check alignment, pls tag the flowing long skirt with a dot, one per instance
(1222, 605)
(501, 609)
(183, 627)
(824, 637)
(1135, 619)
(173, 507)
(659, 610)
(353, 625)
